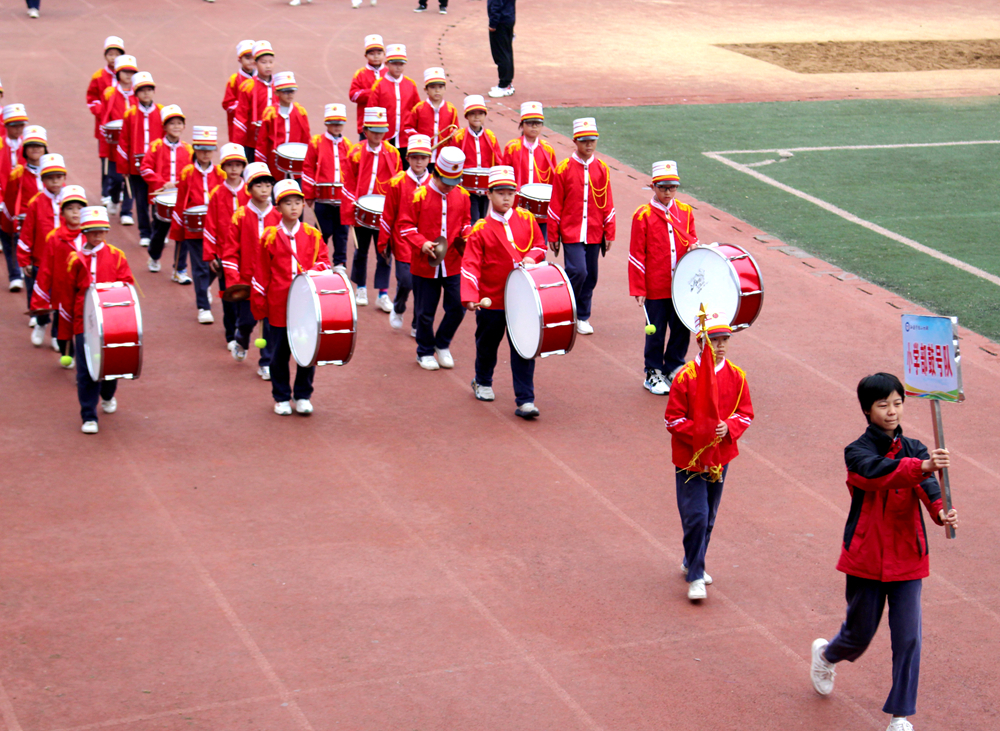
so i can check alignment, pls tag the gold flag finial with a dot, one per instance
(703, 318)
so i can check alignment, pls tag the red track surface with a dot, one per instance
(409, 558)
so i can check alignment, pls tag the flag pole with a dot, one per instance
(943, 473)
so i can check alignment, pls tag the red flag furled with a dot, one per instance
(705, 417)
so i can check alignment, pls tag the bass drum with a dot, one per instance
(722, 277)
(541, 311)
(322, 319)
(112, 332)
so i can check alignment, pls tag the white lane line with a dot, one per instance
(856, 147)
(848, 216)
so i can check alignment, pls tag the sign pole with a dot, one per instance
(943, 474)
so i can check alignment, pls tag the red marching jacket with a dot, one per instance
(240, 247)
(42, 216)
(193, 190)
(105, 263)
(398, 97)
(426, 120)
(490, 255)
(276, 130)
(229, 99)
(115, 103)
(885, 537)
(223, 203)
(531, 165)
(481, 151)
(53, 287)
(576, 217)
(325, 162)
(660, 237)
(734, 400)
(11, 155)
(164, 162)
(139, 128)
(429, 213)
(101, 80)
(282, 257)
(253, 97)
(358, 178)
(398, 198)
(23, 184)
(361, 89)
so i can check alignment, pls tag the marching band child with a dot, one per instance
(399, 199)
(287, 249)
(365, 78)
(118, 98)
(582, 213)
(161, 170)
(11, 155)
(97, 262)
(439, 209)
(140, 126)
(41, 217)
(326, 160)
(370, 167)
(254, 96)
(434, 117)
(480, 147)
(662, 232)
(506, 237)
(247, 69)
(23, 184)
(397, 94)
(101, 80)
(223, 202)
(197, 181)
(532, 158)
(286, 122)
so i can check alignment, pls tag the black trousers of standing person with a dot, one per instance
(281, 388)
(34, 4)
(479, 206)
(365, 238)
(88, 390)
(502, 46)
(328, 218)
(229, 311)
(117, 189)
(203, 275)
(663, 315)
(426, 295)
(491, 326)
(140, 191)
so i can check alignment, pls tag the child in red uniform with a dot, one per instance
(285, 122)
(884, 552)
(698, 490)
(326, 159)
(399, 199)
(51, 290)
(23, 184)
(161, 170)
(41, 217)
(480, 147)
(507, 237)
(254, 96)
(101, 80)
(532, 158)
(662, 232)
(365, 78)
(197, 181)
(223, 202)
(247, 70)
(288, 249)
(434, 117)
(397, 95)
(11, 155)
(370, 167)
(97, 262)
(117, 99)
(582, 213)
(440, 208)
(141, 125)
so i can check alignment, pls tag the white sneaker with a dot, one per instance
(355, 4)
(113, 207)
(32, 321)
(205, 317)
(526, 411)
(180, 277)
(128, 221)
(264, 372)
(444, 358)
(239, 352)
(428, 362)
(899, 724)
(110, 406)
(821, 671)
(153, 265)
(696, 590)
(584, 327)
(144, 242)
(340, 268)
(374, 3)
(395, 320)
(303, 406)
(38, 335)
(413, 332)
(32, 13)
(230, 345)
(55, 345)
(293, 3)
(106, 202)
(283, 408)
(655, 383)
(17, 285)
(500, 91)
(384, 303)
(361, 297)
(89, 427)
(704, 574)
(482, 393)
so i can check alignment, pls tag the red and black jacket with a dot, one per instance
(885, 537)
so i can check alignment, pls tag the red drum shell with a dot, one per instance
(476, 180)
(368, 210)
(112, 131)
(535, 197)
(194, 221)
(322, 318)
(540, 310)
(330, 193)
(290, 158)
(112, 332)
(163, 206)
(751, 285)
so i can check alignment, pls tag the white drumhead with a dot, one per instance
(303, 320)
(704, 276)
(114, 124)
(292, 150)
(93, 333)
(536, 191)
(524, 313)
(196, 211)
(168, 199)
(372, 203)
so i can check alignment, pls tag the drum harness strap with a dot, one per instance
(371, 184)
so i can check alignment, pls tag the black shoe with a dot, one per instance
(420, 9)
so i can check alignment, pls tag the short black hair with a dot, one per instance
(877, 387)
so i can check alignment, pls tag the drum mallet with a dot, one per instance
(260, 343)
(485, 302)
(650, 327)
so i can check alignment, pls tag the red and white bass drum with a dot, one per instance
(112, 331)
(541, 310)
(723, 277)
(322, 318)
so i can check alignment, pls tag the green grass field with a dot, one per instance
(945, 198)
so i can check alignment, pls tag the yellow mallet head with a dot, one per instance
(66, 361)
(260, 343)
(650, 329)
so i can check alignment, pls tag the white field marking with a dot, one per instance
(7, 711)
(848, 216)
(855, 147)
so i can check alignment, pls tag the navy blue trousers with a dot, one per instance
(201, 273)
(865, 602)
(662, 314)
(478, 205)
(159, 240)
(491, 325)
(140, 191)
(88, 390)
(115, 187)
(426, 295)
(245, 323)
(404, 285)
(698, 503)
(10, 256)
(328, 218)
(581, 268)
(364, 238)
(281, 370)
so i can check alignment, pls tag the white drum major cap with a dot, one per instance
(285, 188)
(449, 164)
(665, 171)
(94, 218)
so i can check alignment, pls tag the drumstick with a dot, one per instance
(486, 302)
(650, 327)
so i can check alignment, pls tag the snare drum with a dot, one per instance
(535, 197)
(723, 277)
(329, 193)
(368, 210)
(540, 310)
(322, 319)
(112, 332)
(194, 221)
(163, 206)
(290, 158)
(112, 131)
(476, 180)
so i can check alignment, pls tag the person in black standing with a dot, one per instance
(501, 18)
